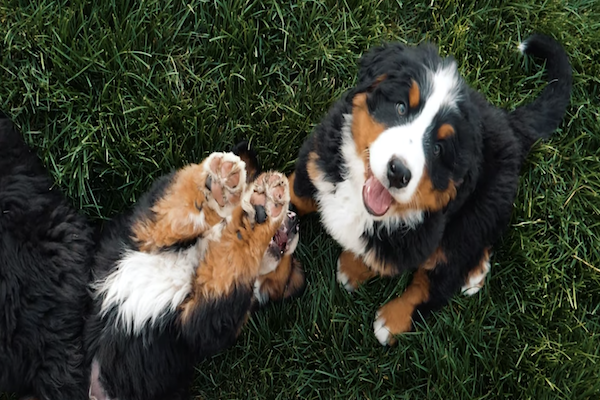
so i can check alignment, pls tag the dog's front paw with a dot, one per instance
(269, 199)
(393, 319)
(476, 278)
(224, 183)
(343, 278)
(352, 271)
(382, 332)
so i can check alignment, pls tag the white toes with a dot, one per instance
(470, 291)
(476, 280)
(343, 279)
(382, 333)
(215, 173)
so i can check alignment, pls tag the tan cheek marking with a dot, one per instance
(285, 281)
(445, 131)
(426, 197)
(365, 129)
(274, 282)
(398, 312)
(414, 95)
(431, 199)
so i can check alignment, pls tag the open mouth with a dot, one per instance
(376, 197)
(281, 237)
(286, 231)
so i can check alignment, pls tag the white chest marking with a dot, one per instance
(145, 286)
(341, 206)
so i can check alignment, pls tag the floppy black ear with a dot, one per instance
(245, 151)
(379, 61)
(391, 58)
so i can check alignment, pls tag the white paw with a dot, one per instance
(271, 191)
(382, 333)
(343, 279)
(476, 279)
(225, 181)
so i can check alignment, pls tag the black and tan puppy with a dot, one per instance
(46, 257)
(412, 170)
(46, 252)
(175, 279)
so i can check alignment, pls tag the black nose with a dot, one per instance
(292, 216)
(398, 174)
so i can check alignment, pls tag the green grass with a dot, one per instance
(113, 95)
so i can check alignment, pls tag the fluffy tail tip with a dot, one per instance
(523, 47)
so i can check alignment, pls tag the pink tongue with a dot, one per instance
(376, 197)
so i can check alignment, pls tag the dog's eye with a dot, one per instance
(437, 149)
(401, 108)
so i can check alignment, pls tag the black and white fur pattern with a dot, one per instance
(139, 343)
(459, 159)
(46, 255)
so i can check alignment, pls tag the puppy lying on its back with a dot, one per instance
(175, 279)
(46, 254)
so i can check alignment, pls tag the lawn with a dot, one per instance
(112, 94)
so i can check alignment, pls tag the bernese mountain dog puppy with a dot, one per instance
(413, 170)
(175, 279)
(46, 250)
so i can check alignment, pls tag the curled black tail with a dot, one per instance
(538, 120)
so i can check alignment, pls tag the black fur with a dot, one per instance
(45, 260)
(483, 159)
(51, 330)
(157, 362)
(540, 118)
(245, 151)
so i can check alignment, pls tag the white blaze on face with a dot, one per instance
(406, 142)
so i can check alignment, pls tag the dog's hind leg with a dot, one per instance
(476, 278)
